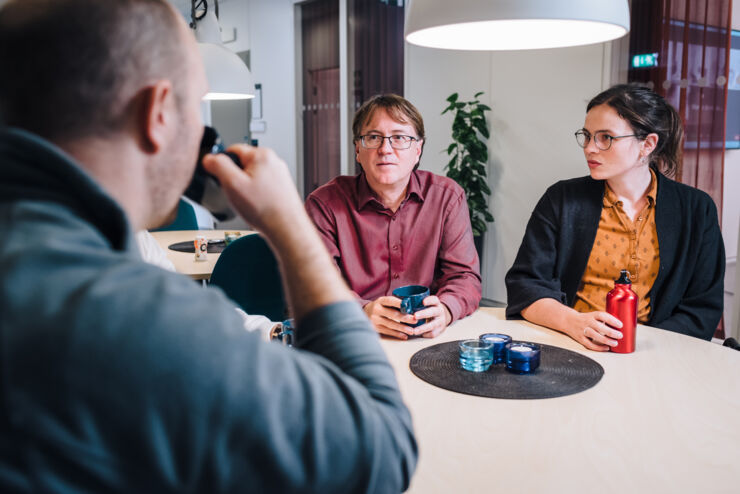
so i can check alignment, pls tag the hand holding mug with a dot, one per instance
(385, 314)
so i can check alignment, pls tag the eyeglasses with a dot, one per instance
(602, 139)
(374, 141)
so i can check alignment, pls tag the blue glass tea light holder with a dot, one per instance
(499, 341)
(476, 355)
(522, 357)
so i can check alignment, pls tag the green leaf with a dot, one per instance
(482, 128)
(469, 156)
(478, 94)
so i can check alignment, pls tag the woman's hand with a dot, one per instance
(594, 330)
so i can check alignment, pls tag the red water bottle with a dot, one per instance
(621, 302)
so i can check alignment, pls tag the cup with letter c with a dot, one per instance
(412, 299)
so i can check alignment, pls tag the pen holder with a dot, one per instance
(499, 341)
(522, 357)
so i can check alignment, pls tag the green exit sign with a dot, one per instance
(645, 60)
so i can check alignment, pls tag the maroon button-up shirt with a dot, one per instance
(427, 241)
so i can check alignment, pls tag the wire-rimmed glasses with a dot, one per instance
(602, 138)
(374, 141)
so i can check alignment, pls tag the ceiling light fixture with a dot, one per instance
(515, 24)
(228, 76)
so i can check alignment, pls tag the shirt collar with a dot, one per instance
(611, 200)
(365, 195)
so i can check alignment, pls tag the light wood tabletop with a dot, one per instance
(662, 419)
(185, 262)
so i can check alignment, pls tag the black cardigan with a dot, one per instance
(687, 296)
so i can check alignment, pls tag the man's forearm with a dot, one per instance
(260, 188)
(309, 276)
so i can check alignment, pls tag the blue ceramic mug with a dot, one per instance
(412, 299)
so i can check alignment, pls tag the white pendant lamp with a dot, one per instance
(228, 76)
(515, 24)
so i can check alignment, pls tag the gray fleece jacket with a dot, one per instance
(118, 376)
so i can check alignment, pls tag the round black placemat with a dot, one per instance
(561, 372)
(214, 246)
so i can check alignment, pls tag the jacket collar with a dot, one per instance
(34, 169)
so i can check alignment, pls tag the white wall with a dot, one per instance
(272, 45)
(538, 100)
(731, 224)
(730, 227)
(266, 29)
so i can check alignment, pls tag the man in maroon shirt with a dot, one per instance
(393, 225)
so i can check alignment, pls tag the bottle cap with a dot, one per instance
(624, 278)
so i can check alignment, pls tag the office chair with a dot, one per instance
(186, 219)
(247, 272)
(732, 343)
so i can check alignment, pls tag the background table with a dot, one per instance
(662, 419)
(185, 262)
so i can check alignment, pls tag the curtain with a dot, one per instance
(320, 109)
(691, 39)
(376, 57)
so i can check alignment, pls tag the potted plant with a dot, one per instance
(468, 159)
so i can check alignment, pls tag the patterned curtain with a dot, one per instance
(684, 48)
(320, 108)
(376, 57)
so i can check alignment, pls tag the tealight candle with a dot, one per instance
(476, 355)
(520, 348)
(499, 341)
(522, 357)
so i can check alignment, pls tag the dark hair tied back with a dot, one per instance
(648, 113)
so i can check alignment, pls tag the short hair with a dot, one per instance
(398, 108)
(70, 67)
(647, 112)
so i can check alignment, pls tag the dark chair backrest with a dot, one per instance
(247, 272)
(732, 343)
(185, 219)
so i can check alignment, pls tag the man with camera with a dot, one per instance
(118, 376)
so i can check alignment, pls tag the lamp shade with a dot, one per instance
(514, 24)
(228, 76)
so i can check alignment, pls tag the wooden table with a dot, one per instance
(663, 419)
(185, 262)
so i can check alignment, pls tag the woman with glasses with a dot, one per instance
(627, 214)
(394, 225)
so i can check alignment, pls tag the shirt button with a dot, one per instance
(393, 218)
(634, 256)
(395, 247)
(395, 276)
(639, 219)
